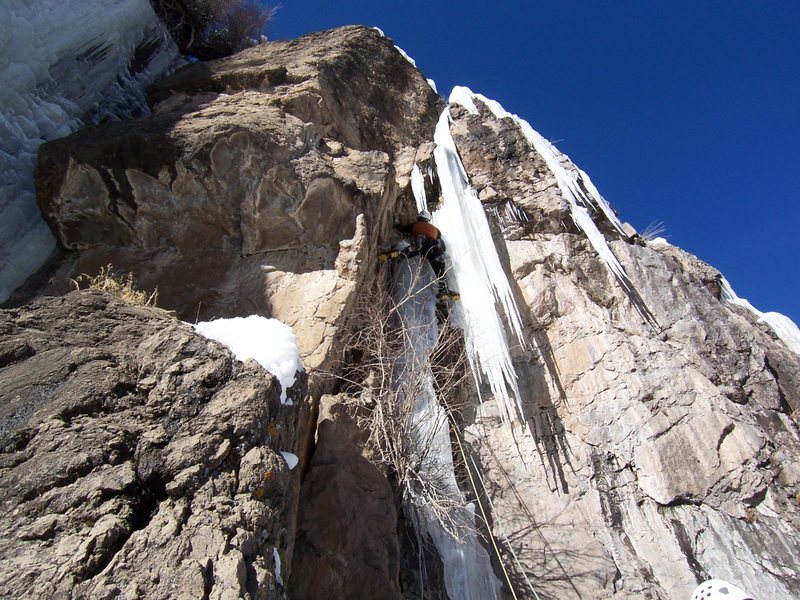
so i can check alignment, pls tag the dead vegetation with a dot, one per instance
(122, 286)
(386, 379)
(212, 29)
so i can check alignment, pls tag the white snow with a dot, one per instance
(464, 96)
(786, 329)
(659, 241)
(405, 55)
(63, 64)
(477, 275)
(291, 459)
(269, 342)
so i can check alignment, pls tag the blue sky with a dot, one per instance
(687, 113)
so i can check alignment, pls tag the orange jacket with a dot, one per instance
(427, 229)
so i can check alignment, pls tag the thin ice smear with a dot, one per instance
(579, 192)
(783, 326)
(276, 557)
(405, 55)
(291, 459)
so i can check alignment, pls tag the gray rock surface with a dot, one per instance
(653, 457)
(138, 459)
(261, 183)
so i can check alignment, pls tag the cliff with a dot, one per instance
(629, 430)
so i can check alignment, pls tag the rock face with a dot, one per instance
(660, 444)
(655, 456)
(265, 183)
(259, 185)
(138, 458)
(347, 544)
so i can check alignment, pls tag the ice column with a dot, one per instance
(468, 573)
(576, 188)
(475, 271)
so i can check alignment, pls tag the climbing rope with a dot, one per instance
(484, 516)
(531, 517)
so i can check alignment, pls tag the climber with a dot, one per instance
(716, 589)
(427, 241)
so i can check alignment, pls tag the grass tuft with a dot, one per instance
(121, 286)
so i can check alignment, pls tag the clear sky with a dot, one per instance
(682, 112)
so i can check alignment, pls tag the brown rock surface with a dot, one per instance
(656, 453)
(261, 184)
(347, 545)
(138, 458)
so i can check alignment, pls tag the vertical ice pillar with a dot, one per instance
(478, 276)
(467, 569)
(418, 187)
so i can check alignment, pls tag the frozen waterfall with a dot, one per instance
(466, 565)
(475, 271)
(64, 64)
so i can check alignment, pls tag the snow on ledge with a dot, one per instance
(658, 241)
(269, 342)
(405, 55)
(783, 326)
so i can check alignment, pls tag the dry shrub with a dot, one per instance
(121, 286)
(383, 397)
(214, 28)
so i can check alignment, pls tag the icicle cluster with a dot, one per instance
(577, 189)
(579, 201)
(63, 64)
(475, 271)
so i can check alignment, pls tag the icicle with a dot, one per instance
(418, 187)
(783, 326)
(570, 185)
(478, 275)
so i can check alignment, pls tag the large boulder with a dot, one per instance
(138, 458)
(262, 183)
